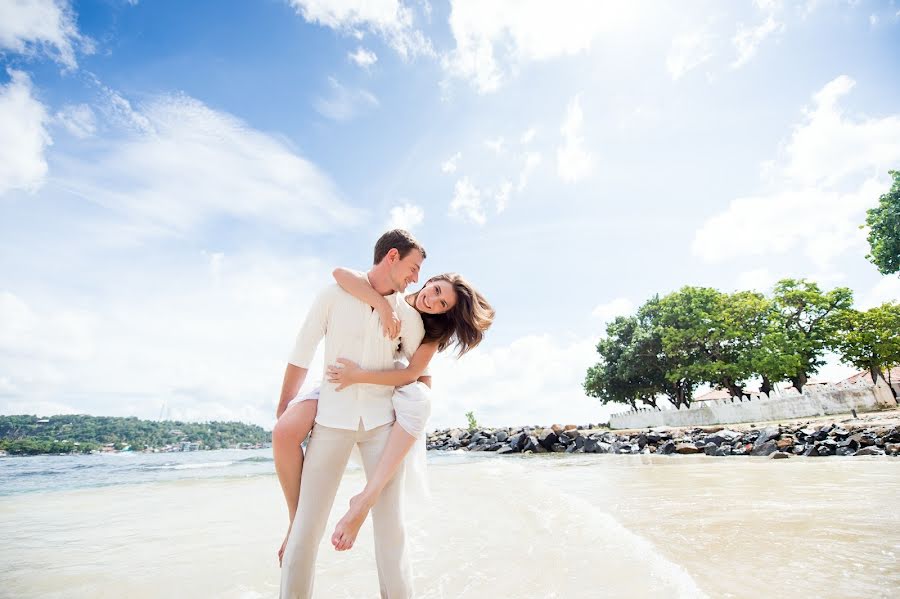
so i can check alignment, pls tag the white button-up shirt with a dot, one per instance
(352, 330)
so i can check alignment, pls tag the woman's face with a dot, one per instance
(437, 297)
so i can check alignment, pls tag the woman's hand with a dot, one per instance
(345, 373)
(390, 323)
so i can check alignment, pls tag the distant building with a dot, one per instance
(715, 394)
(892, 376)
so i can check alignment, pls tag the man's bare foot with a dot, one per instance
(348, 527)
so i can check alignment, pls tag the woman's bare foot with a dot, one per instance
(348, 527)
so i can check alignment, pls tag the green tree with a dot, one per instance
(884, 230)
(870, 340)
(806, 323)
(625, 372)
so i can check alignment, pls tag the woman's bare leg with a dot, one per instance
(398, 445)
(287, 435)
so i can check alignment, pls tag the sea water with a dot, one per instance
(208, 524)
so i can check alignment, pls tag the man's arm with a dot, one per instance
(290, 386)
(311, 333)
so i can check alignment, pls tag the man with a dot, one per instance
(359, 415)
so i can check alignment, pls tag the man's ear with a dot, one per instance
(393, 255)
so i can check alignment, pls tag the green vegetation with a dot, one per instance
(884, 230)
(473, 424)
(701, 335)
(79, 433)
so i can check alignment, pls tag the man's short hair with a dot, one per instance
(396, 238)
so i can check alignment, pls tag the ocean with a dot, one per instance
(208, 524)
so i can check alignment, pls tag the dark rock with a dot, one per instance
(642, 440)
(502, 436)
(779, 455)
(710, 449)
(558, 448)
(517, 441)
(824, 450)
(892, 448)
(590, 445)
(547, 438)
(503, 450)
(652, 438)
(532, 444)
(723, 450)
(811, 451)
(571, 448)
(686, 448)
(766, 448)
(603, 447)
(840, 433)
(765, 435)
(667, 448)
(869, 451)
(565, 439)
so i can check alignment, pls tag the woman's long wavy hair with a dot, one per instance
(465, 323)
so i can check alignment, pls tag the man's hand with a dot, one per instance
(345, 373)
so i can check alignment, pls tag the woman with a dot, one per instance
(453, 313)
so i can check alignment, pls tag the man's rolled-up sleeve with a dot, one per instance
(312, 331)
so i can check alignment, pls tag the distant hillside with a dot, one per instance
(81, 433)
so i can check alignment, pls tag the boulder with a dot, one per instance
(667, 447)
(710, 449)
(765, 435)
(767, 448)
(892, 448)
(779, 455)
(824, 450)
(504, 450)
(558, 448)
(869, 451)
(547, 438)
(590, 445)
(686, 448)
(565, 439)
(502, 436)
(784, 443)
(579, 442)
(722, 450)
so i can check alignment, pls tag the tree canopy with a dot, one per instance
(884, 230)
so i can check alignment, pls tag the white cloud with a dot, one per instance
(758, 279)
(23, 135)
(449, 166)
(408, 216)
(501, 196)
(344, 104)
(887, 289)
(573, 161)
(829, 146)
(467, 203)
(873, 20)
(78, 120)
(185, 335)
(830, 170)
(532, 161)
(536, 379)
(188, 163)
(607, 312)
(494, 38)
(390, 19)
(527, 136)
(748, 39)
(33, 27)
(687, 52)
(823, 224)
(362, 57)
(496, 145)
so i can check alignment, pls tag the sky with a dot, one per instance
(177, 181)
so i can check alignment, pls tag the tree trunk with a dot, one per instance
(799, 380)
(766, 386)
(875, 372)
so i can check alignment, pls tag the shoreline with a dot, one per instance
(874, 433)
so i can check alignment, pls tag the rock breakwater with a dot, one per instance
(778, 441)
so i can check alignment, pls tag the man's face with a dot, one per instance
(405, 271)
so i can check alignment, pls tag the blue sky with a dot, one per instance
(177, 179)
